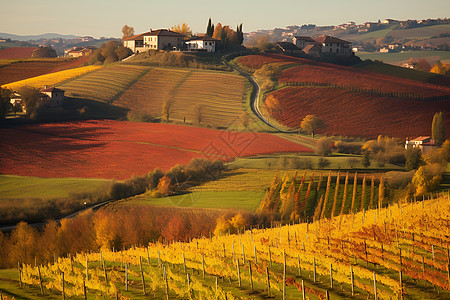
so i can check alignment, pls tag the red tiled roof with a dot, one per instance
(309, 47)
(136, 37)
(52, 89)
(159, 32)
(330, 39)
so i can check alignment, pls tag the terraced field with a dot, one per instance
(205, 97)
(105, 84)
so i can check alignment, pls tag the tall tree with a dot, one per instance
(127, 31)
(240, 34)
(438, 128)
(209, 29)
(311, 123)
(218, 31)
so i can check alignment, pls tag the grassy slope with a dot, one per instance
(398, 57)
(46, 188)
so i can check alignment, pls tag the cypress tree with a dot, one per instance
(209, 29)
(438, 128)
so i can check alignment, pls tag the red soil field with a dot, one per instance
(353, 114)
(329, 74)
(16, 52)
(113, 149)
(27, 69)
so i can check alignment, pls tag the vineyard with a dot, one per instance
(99, 149)
(12, 71)
(354, 114)
(105, 84)
(400, 251)
(361, 81)
(16, 52)
(50, 79)
(196, 97)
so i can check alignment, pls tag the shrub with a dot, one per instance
(323, 162)
(323, 147)
(348, 147)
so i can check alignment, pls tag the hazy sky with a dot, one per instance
(106, 17)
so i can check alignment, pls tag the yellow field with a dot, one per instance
(50, 79)
(104, 84)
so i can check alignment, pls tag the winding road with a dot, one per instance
(254, 97)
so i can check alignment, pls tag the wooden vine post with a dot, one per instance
(84, 290)
(142, 276)
(352, 278)
(250, 273)
(63, 287)
(303, 290)
(284, 275)
(299, 268)
(203, 265)
(268, 281)
(238, 272)
(126, 277)
(314, 267)
(87, 267)
(375, 285)
(40, 281)
(331, 276)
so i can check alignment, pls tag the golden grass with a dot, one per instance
(50, 79)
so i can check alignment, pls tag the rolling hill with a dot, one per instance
(351, 101)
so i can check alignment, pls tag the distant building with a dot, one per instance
(390, 21)
(333, 45)
(161, 39)
(52, 97)
(385, 50)
(201, 43)
(288, 48)
(302, 41)
(314, 50)
(424, 143)
(80, 51)
(357, 49)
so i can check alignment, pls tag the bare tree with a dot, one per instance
(198, 114)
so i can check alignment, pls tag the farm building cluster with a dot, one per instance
(320, 46)
(49, 97)
(164, 39)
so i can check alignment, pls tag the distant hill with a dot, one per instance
(36, 37)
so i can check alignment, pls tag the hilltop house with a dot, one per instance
(424, 143)
(79, 51)
(288, 48)
(201, 43)
(303, 41)
(48, 98)
(313, 50)
(161, 39)
(52, 97)
(333, 45)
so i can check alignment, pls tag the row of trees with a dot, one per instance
(109, 52)
(229, 39)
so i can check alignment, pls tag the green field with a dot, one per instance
(37, 199)
(248, 200)
(46, 188)
(397, 58)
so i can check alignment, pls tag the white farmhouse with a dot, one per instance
(201, 43)
(333, 45)
(161, 39)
